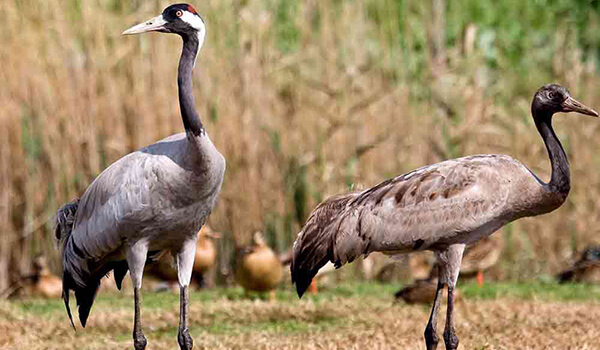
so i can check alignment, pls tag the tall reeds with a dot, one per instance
(304, 99)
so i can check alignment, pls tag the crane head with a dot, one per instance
(179, 19)
(553, 98)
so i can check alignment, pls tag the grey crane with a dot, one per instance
(440, 207)
(154, 199)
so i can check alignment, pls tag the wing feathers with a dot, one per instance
(314, 246)
(431, 205)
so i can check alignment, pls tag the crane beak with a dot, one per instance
(572, 105)
(155, 24)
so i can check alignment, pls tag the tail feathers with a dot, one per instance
(87, 289)
(64, 224)
(120, 268)
(85, 299)
(119, 272)
(81, 275)
(315, 245)
(303, 277)
(65, 220)
(85, 294)
(65, 296)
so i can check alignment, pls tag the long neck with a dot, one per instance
(560, 181)
(191, 119)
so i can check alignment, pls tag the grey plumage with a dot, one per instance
(314, 246)
(154, 199)
(64, 220)
(441, 207)
(161, 193)
(431, 208)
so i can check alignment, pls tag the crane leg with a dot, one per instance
(183, 335)
(136, 259)
(453, 258)
(431, 337)
(185, 264)
(139, 340)
(450, 338)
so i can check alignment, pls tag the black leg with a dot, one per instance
(139, 340)
(183, 336)
(431, 337)
(450, 338)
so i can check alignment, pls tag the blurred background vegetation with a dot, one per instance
(305, 99)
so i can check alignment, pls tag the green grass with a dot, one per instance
(547, 291)
(532, 290)
(522, 290)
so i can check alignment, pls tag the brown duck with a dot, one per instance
(42, 283)
(480, 257)
(206, 254)
(258, 268)
(422, 291)
(586, 269)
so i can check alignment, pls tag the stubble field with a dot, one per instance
(351, 316)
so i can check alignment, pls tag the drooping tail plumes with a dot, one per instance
(315, 245)
(65, 220)
(64, 224)
(77, 274)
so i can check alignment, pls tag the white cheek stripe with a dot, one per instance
(192, 20)
(201, 34)
(196, 23)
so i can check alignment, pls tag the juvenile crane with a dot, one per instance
(440, 207)
(154, 199)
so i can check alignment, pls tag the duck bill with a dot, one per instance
(213, 235)
(572, 105)
(156, 24)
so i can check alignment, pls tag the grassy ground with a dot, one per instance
(351, 316)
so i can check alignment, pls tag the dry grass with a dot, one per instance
(304, 99)
(359, 320)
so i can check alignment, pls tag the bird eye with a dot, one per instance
(179, 13)
(550, 95)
